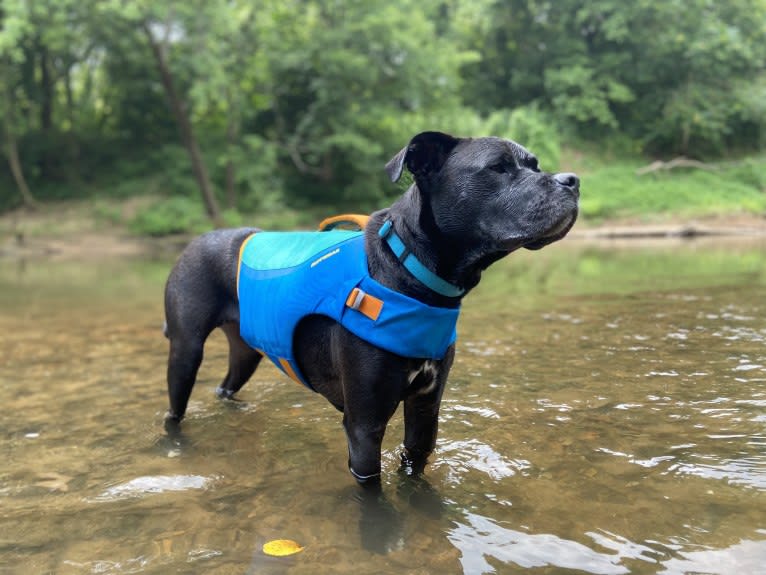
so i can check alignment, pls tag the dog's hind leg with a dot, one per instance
(183, 363)
(200, 295)
(190, 317)
(243, 360)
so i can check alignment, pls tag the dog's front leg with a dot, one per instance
(372, 391)
(421, 418)
(364, 441)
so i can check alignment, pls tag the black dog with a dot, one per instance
(473, 202)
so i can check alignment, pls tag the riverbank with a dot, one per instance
(73, 230)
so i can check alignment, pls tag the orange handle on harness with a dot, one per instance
(354, 220)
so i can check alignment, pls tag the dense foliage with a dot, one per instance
(246, 104)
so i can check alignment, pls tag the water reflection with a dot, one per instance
(480, 538)
(744, 557)
(146, 485)
(461, 457)
(746, 471)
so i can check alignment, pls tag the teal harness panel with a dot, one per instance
(285, 276)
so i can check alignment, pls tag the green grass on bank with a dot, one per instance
(613, 189)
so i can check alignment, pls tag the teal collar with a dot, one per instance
(415, 266)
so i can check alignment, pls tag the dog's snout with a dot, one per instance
(568, 180)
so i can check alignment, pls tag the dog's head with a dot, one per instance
(488, 193)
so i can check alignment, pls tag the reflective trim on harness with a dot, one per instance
(239, 259)
(364, 303)
(288, 369)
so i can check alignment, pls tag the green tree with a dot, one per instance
(675, 75)
(348, 78)
(232, 87)
(303, 100)
(15, 25)
(168, 30)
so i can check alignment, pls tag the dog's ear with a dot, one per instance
(425, 153)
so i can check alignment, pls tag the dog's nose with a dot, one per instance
(568, 180)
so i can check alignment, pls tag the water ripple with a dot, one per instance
(651, 462)
(460, 457)
(746, 471)
(741, 334)
(482, 411)
(743, 557)
(106, 567)
(150, 484)
(480, 537)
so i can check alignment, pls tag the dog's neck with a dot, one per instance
(413, 221)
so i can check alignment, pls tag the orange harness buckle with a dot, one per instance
(364, 303)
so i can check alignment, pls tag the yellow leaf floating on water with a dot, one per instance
(281, 547)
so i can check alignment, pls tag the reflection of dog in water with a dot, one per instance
(473, 201)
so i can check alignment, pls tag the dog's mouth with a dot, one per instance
(554, 234)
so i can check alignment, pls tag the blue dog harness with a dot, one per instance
(285, 276)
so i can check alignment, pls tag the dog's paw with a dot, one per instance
(368, 481)
(223, 393)
(172, 423)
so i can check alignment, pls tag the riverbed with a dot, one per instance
(606, 414)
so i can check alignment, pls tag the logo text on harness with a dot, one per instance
(328, 255)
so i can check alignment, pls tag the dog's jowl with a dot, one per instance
(367, 319)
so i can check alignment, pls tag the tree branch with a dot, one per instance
(679, 162)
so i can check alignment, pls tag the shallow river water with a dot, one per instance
(606, 414)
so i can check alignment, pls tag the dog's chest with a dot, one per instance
(422, 378)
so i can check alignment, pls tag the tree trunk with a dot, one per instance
(231, 171)
(187, 132)
(46, 91)
(18, 173)
(46, 110)
(13, 156)
(73, 160)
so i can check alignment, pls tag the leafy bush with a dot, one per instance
(257, 182)
(173, 215)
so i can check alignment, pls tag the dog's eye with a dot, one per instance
(501, 167)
